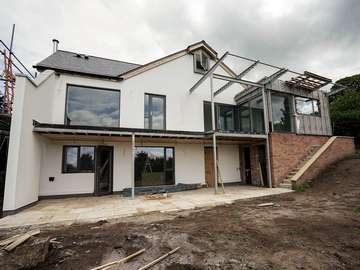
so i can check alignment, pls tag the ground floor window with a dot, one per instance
(78, 159)
(154, 166)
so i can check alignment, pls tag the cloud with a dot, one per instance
(319, 36)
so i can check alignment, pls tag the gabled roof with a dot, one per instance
(191, 48)
(70, 62)
(65, 61)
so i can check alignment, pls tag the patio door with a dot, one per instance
(104, 170)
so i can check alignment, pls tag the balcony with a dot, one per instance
(245, 118)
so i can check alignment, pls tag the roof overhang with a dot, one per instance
(73, 132)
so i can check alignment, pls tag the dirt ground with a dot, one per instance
(318, 228)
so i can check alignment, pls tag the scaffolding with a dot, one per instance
(10, 63)
(307, 80)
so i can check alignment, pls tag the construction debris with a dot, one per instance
(158, 196)
(159, 259)
(265, 204)
(12, 242)
(110, 264)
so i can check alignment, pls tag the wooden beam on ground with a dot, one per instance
(159, 259)
(119, 261)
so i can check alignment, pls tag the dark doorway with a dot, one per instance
(104, 170)
(262, 161)
(247, 165)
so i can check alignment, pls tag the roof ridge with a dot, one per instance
(115, 60)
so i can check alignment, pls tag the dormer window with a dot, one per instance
(201, 62)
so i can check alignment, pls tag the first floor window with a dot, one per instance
(154, 166)
(87, 106)
(154, 111)
(281, 113)
(307, 106)
(78, 159)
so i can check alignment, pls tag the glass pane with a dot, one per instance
(169, 178)
(316, 107)
(104, 170)
(304, 105)
(204, 61)
(226, 118)
(207, 116)
(146, 112)
(92, 107)
(244, 112)
(198, 64)
(281, 113)
(257, 114)
(86, 159)
(149, 166)
(157, 112)
(169, 158)
(70, 159)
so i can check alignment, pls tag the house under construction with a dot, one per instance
(94, 126)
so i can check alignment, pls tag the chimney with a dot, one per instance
(55, 45)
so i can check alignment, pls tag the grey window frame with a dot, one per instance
(90, 87)
(202, 54)
(64, 171)
(313, 100)
(292, 111)
(164, 164)
(150, 95)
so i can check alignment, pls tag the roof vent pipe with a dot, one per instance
(55, 45)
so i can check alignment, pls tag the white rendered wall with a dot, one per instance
(25, 147)
(184, 111)
(44, 101)
(189, 166)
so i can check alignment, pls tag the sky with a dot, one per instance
(318, 36)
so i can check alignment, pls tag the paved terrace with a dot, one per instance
(91, 209)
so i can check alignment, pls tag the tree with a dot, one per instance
(345, 108)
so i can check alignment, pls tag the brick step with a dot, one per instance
(286, 185)
(309, 154)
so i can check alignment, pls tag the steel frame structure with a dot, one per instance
(250, 87)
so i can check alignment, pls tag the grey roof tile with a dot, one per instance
(85, 64)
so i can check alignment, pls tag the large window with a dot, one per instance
(154, 112)
(78, 159)
(154, 166)
(92, 106)
(252, 116)
(225, 117)
(307, 106)
(281, 112)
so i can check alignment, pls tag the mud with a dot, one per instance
(315, 229)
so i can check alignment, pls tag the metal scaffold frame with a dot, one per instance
(8, 76)
(251, 86)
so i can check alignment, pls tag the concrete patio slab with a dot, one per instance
(90, 209)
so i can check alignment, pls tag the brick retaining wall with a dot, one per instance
(286, 151)
(339, 149)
